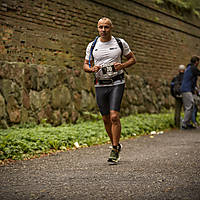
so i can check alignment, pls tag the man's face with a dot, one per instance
(104, 28)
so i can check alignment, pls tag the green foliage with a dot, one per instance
(159, 1)
(21, 142)
(182, 5)
(145, 123)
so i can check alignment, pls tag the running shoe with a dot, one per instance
(114, 156)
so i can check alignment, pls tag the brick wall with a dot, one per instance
(50, 37)
(56, 32)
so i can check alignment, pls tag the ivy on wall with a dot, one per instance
(182, 6)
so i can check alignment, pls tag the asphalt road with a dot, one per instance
(166, 166)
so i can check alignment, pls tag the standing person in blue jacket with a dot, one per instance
(103, 58)
(187, 89)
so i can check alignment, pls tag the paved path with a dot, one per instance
(164, 167)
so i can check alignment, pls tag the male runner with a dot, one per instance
(105, 62)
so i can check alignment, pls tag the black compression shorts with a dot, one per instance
(109, 98)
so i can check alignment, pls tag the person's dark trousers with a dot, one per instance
(194, 114)
(177, 115)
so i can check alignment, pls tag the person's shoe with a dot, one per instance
(184, 127)
(190, 126)
(114, 156)
(196, 125)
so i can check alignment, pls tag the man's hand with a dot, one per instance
(95, 68)
(131, 60)
(118, 66)
(90, 69)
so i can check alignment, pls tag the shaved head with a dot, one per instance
(105, 20)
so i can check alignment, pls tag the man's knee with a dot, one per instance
(114, 117)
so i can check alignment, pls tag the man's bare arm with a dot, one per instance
(131, 60)
(88, 69)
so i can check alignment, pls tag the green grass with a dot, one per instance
(22, 142)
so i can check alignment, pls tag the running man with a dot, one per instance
(104, 60)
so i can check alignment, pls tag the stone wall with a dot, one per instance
(34, 93)
(44, 41)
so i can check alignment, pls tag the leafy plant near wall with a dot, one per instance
(182, 6)
(30, 140)
(33, 140)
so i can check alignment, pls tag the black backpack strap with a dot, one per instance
(119, 42)
(91, 50)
